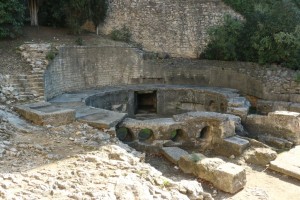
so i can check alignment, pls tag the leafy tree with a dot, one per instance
(33, 6)
(97, 10)
(52, 13)
(77, 14)
(11, 18)
(269, 34)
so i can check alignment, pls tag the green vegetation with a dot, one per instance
(196, 157)
(11, 18)
(122, 34)
(79, 41)
(297, 77)
(145, 134)
(51, 54)
(68, 13)
(269, 33)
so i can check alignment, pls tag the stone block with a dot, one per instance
(231, 146)
(187, 163)
(288, 163)
(264, 107)
(230, 177)
(294, 107)
(281, 106)
(240, 111)
(260, 156)
(205, 168)
(280, 124)
(173, 154)
(103, 118)
(46, 114)
(278, 143)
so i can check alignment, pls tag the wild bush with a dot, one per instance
(269, 33)
(122, 34)
(11, 18)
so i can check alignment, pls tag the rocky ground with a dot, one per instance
(76, 161)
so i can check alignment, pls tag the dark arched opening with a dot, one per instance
(145, 134)
(124, 135)
(204, 133)
(177, 135)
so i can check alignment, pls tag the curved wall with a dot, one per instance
(78, 68)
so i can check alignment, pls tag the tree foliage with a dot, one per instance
(11, 18)
(72, 13)
(269, 33)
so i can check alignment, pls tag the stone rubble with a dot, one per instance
(76, 161)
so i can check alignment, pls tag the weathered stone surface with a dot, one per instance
(276, 142)
(103, 118)
(187, 163)
(173, 153)
(230, 177)
(159, 30)
(288, 163)
(205, 168)
(46, 114)
(231, 146)
(281, 124)
(260, 156)
(226, 127)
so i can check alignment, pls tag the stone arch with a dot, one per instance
(125, 135)
(177, 135)
(145, 135)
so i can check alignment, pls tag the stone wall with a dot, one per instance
(77, 68)
(177, 27)
(269, 83)
(18, 88)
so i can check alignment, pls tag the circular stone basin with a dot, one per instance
(162, 100)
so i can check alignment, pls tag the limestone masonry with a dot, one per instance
(177, 27)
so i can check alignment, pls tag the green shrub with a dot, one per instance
(268, 34)
(224, 40)
(51, 54)
(79, 41)
(11, 18)
(52, 13)
(122, 34)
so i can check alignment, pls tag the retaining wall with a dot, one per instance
(178, 27)
(78, 68)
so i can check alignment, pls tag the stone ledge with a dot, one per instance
(46, 114)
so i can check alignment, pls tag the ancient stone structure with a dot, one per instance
(178, 28)
(225, 176)
(152, 104)
(26, 87)
(77, 68)
(279, 128)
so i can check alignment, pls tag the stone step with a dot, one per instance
(99, 118)
(232, 146)
(242, 112)
(288, 163)
(32, 76)
(237, 102)
(227, 177)
(173, 154)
